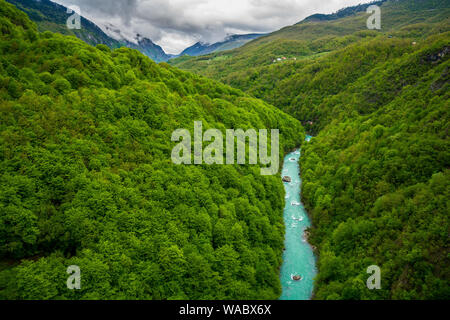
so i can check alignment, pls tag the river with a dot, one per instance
(298, 256)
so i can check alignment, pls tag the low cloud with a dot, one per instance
(177, 24)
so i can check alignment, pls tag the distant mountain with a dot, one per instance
(150, 49)
(136, 41)
(231, 42)
(50, 16)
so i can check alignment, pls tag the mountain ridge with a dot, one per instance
(51, 16)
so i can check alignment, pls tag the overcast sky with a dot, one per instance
(177, 24)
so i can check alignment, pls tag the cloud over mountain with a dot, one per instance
(176, 24)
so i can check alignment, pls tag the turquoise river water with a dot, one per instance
(298, 256)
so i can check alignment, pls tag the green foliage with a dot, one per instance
(86, 177)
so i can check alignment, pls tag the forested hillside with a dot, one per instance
(230, 42)
(86, 177)
(375, 177)
(413, 19)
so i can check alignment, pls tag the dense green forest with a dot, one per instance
(86, 177)
(375, 177)
(51, 16)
